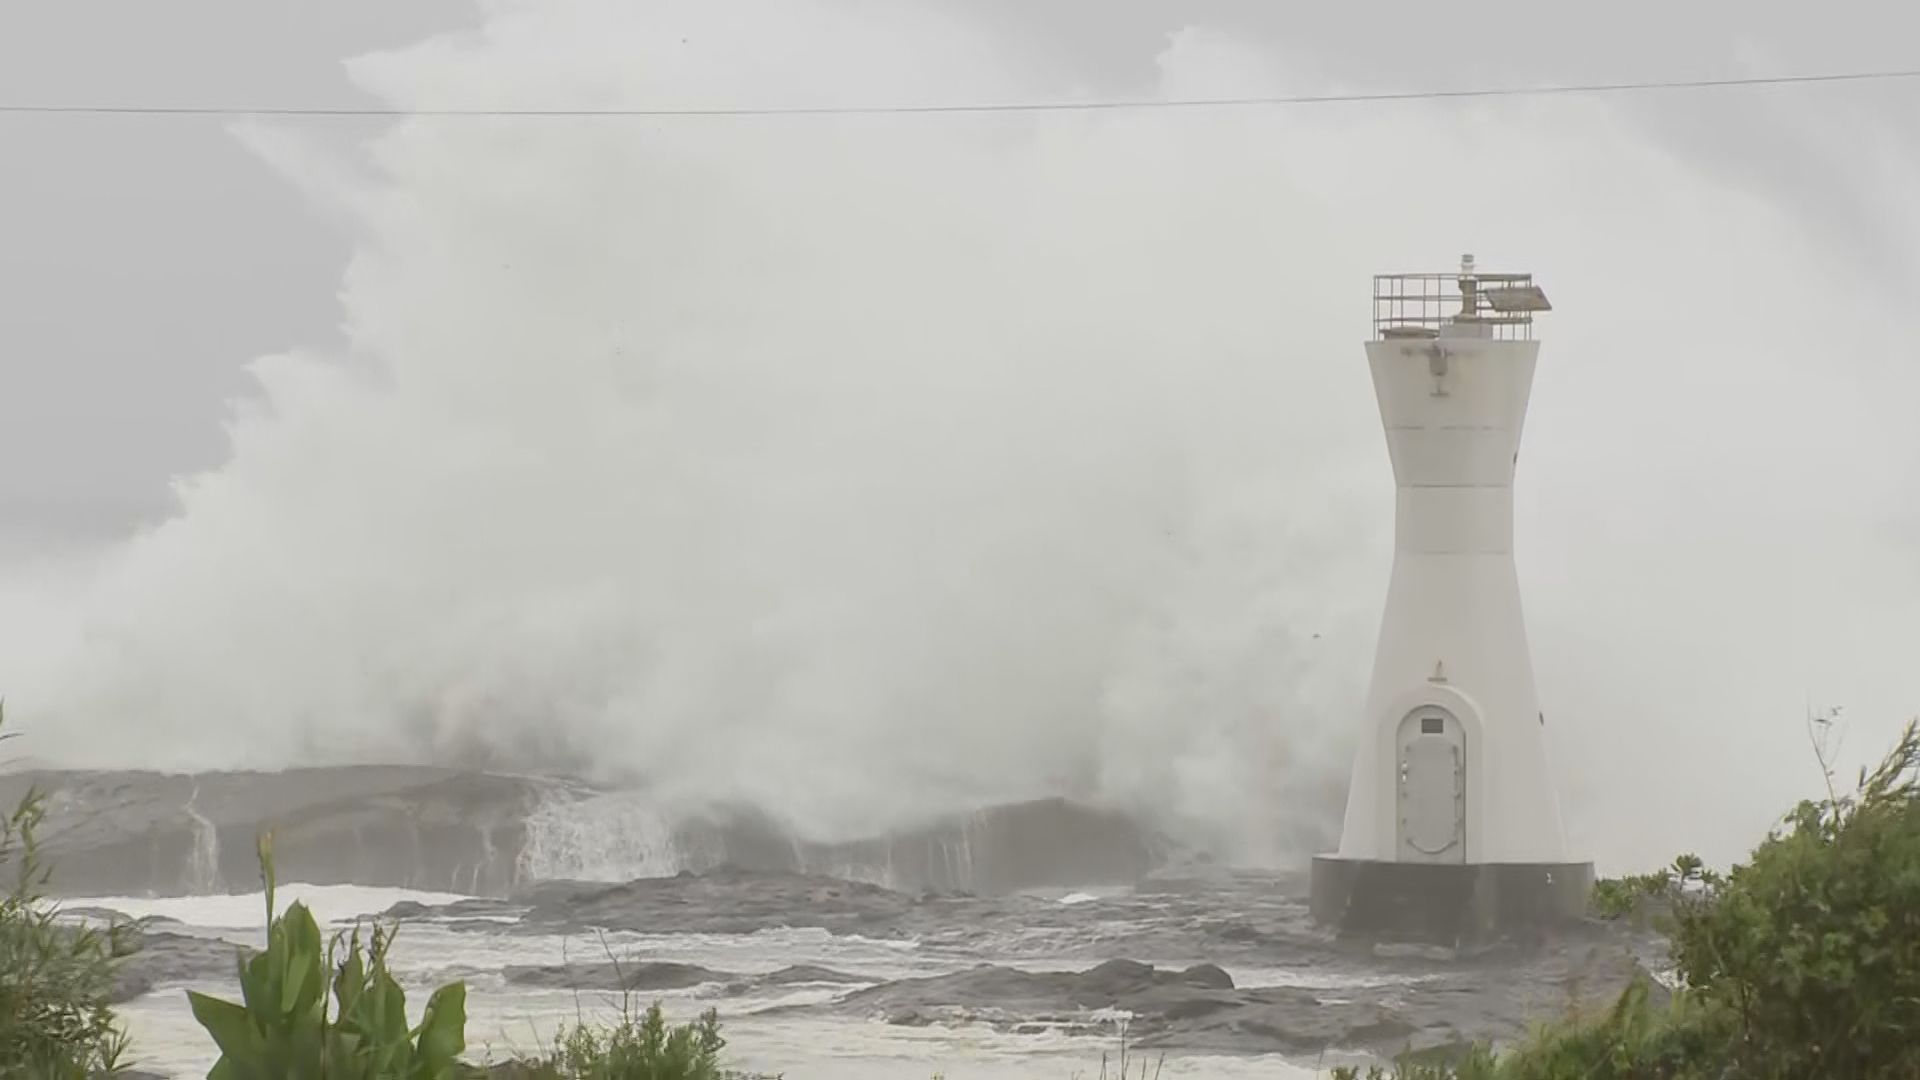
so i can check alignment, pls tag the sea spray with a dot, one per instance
(866, 469)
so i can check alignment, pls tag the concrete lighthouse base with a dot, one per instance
(1448, 904)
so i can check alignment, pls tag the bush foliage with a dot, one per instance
(1801, 964)
(1811, 951)
(56, 980)
(637, 1048)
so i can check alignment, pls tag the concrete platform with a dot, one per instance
(1441, 904)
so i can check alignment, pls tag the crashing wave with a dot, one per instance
(484, 834)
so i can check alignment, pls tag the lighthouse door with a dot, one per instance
(1432, 787)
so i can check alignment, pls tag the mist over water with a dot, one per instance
(868, 468)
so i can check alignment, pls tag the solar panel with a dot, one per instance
(1508, 299)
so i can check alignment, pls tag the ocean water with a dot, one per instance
(504, 1019)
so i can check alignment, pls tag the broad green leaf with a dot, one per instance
(232, 1028)
(298, 972)
(393, 1009)
(443, 1027)
(353, 978)
(256, 984)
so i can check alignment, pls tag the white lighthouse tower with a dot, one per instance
(1453, 827)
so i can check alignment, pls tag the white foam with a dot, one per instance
(332, 905)
(616, 836)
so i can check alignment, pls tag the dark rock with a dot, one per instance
(728, 900)
(657, 975)
(1200, 1010)
(645, 975)
(1208, 976)
(168, 959)
(807, 973)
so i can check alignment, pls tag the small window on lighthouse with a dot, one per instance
(1433, 725)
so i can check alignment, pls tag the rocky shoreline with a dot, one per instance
(1350, 996)
(1195, 958)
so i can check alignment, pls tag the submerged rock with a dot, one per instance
(808, 973)
(1109, 985)
(644, 975)
(613, 975)
(728, 900)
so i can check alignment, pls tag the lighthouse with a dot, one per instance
(1453, 830)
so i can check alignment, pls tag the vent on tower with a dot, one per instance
(1420, 305)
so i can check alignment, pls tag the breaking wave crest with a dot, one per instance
(604, 837)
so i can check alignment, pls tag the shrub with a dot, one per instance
(1802, 964)
(1632, 1041)
(641, 1046)
(1642, 896)
(56, 980)
(1812, 948)
(637, 1048)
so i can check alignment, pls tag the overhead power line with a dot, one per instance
(984, 107)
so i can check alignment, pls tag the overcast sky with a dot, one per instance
(143, 261)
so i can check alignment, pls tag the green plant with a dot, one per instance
(283, 1030)
(56, 980)
(1801, 964)
(1639, 895)
(1812, 948)
(1615, 898)
(1633, 1040)
(642, 1047)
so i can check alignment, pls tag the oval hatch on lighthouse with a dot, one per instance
(1431, 793)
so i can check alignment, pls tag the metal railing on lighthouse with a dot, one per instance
(1421, 305)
